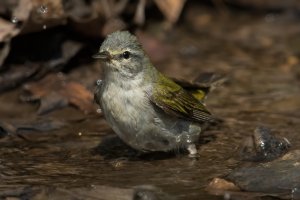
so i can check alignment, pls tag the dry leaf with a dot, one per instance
(23, 10)
(222, 184)
(4, 50)
(19, 126)
(54, 92)
(7, 30)
(15, 76)
(157, 49)
(94, 192)
(113, 25)
(80, 11)
(139, 17)
(170, 8)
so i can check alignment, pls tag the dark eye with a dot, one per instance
(126, 54)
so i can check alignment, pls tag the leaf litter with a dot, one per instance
(55, 91)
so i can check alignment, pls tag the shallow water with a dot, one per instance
(260, 59)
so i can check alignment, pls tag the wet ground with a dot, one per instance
(259, 53)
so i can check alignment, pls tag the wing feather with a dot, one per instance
(176, 101)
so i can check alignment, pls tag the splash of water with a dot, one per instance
(188, 139)
(14, 20)
(43, 9)
(99, 82)
(295, 193)
(178, 138)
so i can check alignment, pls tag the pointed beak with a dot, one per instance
(103, 55)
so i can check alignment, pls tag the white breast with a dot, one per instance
(125, 109)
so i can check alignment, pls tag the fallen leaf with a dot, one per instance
(51, 102)
(68, 50)
(4, 50)
(79, 11)
(19, 126)
(157, 49)
(170, 8)
(27, 49)
(139, 17)
(291, 62)
(7, 5)
(37, 15)
(7, 30)
(112, 9)
(94, 192)
(16, 75)
(23, 10)
(55, 91)
(222, 184)
(113, 25)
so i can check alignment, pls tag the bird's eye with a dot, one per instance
(126, 54)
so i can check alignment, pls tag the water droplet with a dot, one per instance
(44, 26)
(188, 139)
(14, 19)
(43, 9)
(99, 82)
(227, 196)
(295, 193)
(99, 110)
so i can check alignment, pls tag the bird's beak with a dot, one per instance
(103, 55)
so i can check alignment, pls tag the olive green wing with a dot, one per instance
(199, 92)
(176, 101)
(202, 85)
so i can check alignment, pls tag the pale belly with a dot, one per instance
(134, 119)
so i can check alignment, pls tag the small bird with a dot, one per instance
(147, 110)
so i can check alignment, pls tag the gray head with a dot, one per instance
(122, 52)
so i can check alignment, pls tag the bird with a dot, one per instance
(147, 110)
